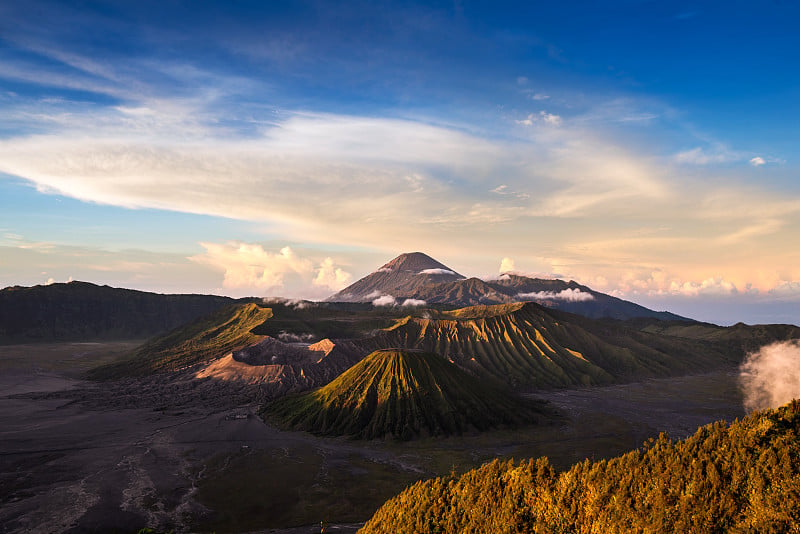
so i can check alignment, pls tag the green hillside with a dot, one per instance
(527, 345)
(739, 478)
(212, 336)
(401, 394)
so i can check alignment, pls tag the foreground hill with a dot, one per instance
(80, 311)
(739, 478)
(402, 394)
(418, 277)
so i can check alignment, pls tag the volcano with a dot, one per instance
(402, 394)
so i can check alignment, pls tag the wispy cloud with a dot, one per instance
(437, 271)
(175, 137)
(567, 295)
(715, 153)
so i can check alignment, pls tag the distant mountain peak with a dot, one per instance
(404, 275)
(417, 262)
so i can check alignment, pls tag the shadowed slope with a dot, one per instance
(80, 311)
(401, 394)
(224, 331)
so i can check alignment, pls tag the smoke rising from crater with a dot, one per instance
(771, 376)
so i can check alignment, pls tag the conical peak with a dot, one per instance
(417, 262)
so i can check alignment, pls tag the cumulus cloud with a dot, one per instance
(550, 118)
(436, 271)
(770, 377)
(527, 121)
(250, 266)
(785, 288)
(661, 283)
(568, 295)
(757, 161)
(507, 265)
(709, 286)
(414, 302)
(547, 118)
(385, 300)
(330, 276)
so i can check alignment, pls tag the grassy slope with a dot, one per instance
(401, 394)
(221, 332)
(527, 345)
(739, 478)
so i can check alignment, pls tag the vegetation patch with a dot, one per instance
(743, 477)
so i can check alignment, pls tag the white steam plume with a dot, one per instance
(569, 294)
(436, 271)
(385, 300)
(771, 376)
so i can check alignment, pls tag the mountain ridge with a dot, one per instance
(450, 288)
(82, 311)
(405, 274)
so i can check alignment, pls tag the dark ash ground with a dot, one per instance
(78, 457)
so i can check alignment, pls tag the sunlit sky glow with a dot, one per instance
(646, 149)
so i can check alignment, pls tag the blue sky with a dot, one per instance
(646, 149)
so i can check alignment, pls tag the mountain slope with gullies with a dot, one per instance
(421, 278)
(402, 394)
(293, 347)
(526, 345)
